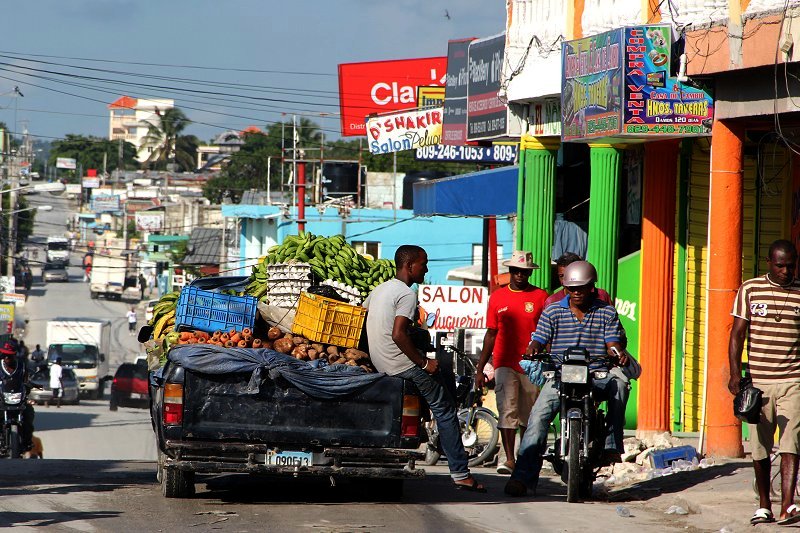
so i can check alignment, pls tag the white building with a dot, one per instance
(128, 119)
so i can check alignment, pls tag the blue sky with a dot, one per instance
(300, 41)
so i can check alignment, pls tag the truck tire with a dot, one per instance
(177, 483)
(93, 295)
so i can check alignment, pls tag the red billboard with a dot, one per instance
(383, 86)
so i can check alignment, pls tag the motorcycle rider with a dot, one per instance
(580, 319)
(12, 367)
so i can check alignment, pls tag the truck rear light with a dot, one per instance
(173, 404)
(409, 426)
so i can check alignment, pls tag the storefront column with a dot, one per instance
(604, 214)
(658, 243)
(536, 204)
(723, 431)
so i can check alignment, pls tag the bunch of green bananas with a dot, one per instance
(163, 320)
(257, 286)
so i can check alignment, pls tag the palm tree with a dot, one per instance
(165, 139)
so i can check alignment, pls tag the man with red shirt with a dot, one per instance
(512, 316)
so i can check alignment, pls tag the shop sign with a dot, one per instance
(90, 183)
(545, 118)
(498, 153)
(7, 312)
(383, 86)
(105, 203)
(72, 188)
(14, 297)
(487, 115)
(591, 83)
(149, 221)
(457, 306)
(430, 96)
(66, 163)
(655, 103)
(454, 129)
(404, 130)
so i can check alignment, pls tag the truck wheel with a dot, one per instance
(177, 483)
(112, 404)
(93, 295)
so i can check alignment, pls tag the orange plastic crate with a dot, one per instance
(328, 321)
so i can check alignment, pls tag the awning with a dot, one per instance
(485, 193)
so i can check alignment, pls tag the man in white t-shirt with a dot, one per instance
(131, 315)
(56, 382)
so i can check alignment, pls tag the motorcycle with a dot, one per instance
(578, 450)
(14, 402)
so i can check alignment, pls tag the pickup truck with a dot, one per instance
(205, 423)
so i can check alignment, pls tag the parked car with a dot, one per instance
(148, 311)
(41, 378)
(55, 271)
(130, 386)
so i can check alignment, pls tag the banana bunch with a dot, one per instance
(257, 286)
(163, 320)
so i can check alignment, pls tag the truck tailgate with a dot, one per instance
(216, 408)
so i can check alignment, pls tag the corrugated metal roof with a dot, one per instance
(253, 197)
(204, 247)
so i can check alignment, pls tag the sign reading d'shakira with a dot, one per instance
(404, 130)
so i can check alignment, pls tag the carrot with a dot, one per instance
(247, 331)
(186, 335)
(191, 341)
(257, 343)
(236, 337)
(231, 332)
(230, 344)
(242, 344)
(201, 340)
(247, 338)
(224, 337)
(217, 333)
(181, 341)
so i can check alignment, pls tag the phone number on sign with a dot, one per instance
(483, 154)
(664, 128)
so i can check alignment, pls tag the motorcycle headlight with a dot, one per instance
(574, 374)
(12, 398)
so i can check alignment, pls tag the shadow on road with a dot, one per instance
(39, 520)
(50, 418)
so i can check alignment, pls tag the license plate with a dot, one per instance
(137, 396)
(289, 458)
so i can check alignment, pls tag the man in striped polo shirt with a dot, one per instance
(581, 319)
(767, 313)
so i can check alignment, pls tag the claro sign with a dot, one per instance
(458, 307)
(382, 86)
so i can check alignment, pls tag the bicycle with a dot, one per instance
(479, 432)
(775, 479)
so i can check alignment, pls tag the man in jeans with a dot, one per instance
(391, 308)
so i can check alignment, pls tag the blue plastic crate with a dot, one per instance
(664, 458)
(211, 311)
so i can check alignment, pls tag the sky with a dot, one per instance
(294, 46)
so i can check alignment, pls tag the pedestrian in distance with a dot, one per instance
(37, 357)
(22, 351)
(28, 279)
(142, 285)
(511, 318)
(390, 312)
(131, 316)
(56, 382)
(767, 313)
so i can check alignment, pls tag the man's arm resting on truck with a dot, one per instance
(403, 341)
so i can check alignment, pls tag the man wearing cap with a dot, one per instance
(11, 366)
(511, 318)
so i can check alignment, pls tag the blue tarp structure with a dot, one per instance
(324, 383)
(485, 193)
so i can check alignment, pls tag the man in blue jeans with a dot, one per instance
(391, 307)
(580, 319)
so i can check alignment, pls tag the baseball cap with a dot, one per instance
(8, 347)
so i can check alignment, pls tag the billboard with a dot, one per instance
(545, 117)
(105, 203)
(430, 96)
(487, 115)
(146, 221)
(90, 183)
(591, 84)
(404, 130)
(383, 86)
(66, 162)
(454, 129)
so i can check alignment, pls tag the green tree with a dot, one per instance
(90, 151)
(164, 137)
(246, 169)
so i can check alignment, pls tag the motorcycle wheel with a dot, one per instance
(480, 439)
(574, 461)
(15, 444)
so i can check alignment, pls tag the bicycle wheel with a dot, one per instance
(479, 439)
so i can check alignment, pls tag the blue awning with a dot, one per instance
(485, 193)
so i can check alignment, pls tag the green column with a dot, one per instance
(604, 214)
(537, 201)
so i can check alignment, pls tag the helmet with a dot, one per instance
(578, 274)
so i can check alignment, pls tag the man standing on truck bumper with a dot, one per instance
(391, 309)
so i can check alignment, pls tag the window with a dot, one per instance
(368, 247)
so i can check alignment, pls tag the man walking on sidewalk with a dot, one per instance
(767, 313)
(512, 316)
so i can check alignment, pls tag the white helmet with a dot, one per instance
(578, 274)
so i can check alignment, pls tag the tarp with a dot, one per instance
(485, 193)
(324, 383)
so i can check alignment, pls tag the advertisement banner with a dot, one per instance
(454, 129)
(655, 103)
(105, 203)
(487, 116)
(66, 162)
(149, 221)
(430, 96)
(7, 312)
(404, 130)
(545, 118)
(383, 86)
(458, 307)
(90, 183)
(591, 86)
(499, 153)
(72, 188)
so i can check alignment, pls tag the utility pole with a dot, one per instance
(283, 152)
(12, 205)
(294, 159)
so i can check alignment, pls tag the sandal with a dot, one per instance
(762, 516)
(472, 486)
(792, 516)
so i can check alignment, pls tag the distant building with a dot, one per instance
(128, 119)
(212, 156)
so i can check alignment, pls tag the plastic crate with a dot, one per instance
(211, 311)
(664, 458)
(327, 321)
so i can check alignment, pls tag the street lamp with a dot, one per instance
(54, 187)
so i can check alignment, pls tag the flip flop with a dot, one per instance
(762, 516)
(473, 486)
(792, 516)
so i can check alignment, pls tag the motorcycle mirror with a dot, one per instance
(144, 333)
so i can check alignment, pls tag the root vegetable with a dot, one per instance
(351, 363)
(312, 354)
(318, 347)
(224, 338)
(333, 350)
(300, 352)
(341, 360)
(274, 333)
(247, 331)
(186, 335)
(266, 344)
(236, 337)
(333, 358)
(257, 343)
(230, 344)
(299, 340)
(355, 355)
(242, 344)
(366, 369)
(283, 345)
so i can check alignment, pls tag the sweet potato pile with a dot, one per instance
(303, 349)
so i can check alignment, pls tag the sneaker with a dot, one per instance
(506, 468)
